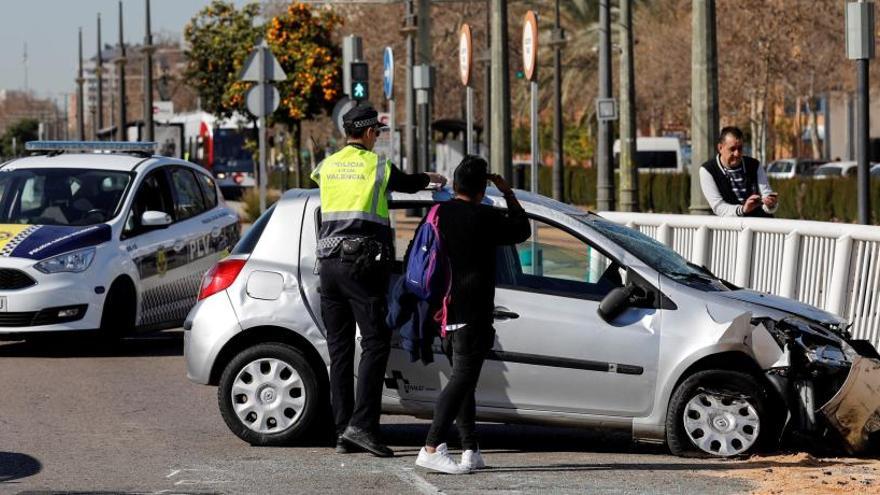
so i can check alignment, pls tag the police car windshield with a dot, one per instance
(60, 196)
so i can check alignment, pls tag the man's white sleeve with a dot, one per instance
(765, 189)
(713, 197)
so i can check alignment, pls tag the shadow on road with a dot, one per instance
(167, 343)
(515, 438)
(495, 438)
(15, 466)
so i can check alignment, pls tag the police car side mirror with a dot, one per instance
(155, 219)
(619, 300)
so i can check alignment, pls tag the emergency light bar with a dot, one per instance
(86, 146)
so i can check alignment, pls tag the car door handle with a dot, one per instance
(502, 313)
(178, 245)
(216, 231)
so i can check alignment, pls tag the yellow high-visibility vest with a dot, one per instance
(354, 188)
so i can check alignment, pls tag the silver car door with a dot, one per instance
(552, 350)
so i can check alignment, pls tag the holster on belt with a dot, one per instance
(364, 253)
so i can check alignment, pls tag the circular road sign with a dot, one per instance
(530, 44)
(465, 54)
(265, 91)
(342, 106)
(388, 78)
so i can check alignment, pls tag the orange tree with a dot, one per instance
(302, 40)
(219, 39)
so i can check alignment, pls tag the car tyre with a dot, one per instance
(280, 400)
(718, 413)
(117, 318)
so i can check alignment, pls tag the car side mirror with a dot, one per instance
(155, 219)
(618, 300)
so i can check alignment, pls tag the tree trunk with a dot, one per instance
(297, 142)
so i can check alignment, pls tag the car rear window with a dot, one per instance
(250, 239)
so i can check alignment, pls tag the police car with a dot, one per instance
(105, 236)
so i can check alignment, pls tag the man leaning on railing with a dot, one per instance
(736, 185)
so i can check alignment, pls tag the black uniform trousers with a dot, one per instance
(348, 298)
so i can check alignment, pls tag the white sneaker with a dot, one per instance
(472, 459)
(440, 460)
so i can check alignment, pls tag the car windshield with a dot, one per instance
(656, 255)
(828, 170)
(779, 167)
(60, 196)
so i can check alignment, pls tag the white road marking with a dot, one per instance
(410, 476)
(173, 473)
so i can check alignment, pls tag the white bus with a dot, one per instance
(655, 154)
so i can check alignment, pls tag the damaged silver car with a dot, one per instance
(597, 325)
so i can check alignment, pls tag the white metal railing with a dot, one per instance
(833, 266)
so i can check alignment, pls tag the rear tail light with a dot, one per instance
(220, 277)
(238, 178)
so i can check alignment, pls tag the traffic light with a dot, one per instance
(360, 81)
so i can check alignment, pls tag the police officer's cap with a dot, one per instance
(361, 118)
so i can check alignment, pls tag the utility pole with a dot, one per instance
(860, 47)
(629, 173)
(604, 173)
(409, 133)
(557, 42)
(425, 96)
(704, 97)
(121, 122)
(80, 104)
(500, 94)
(24, 61)
(148, 78)
(99, 76)
(487, 80)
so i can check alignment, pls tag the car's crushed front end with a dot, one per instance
(826, 379)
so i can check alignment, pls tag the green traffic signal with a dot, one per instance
(359, 91)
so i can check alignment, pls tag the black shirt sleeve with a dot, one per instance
(509, 227)
(407, 183)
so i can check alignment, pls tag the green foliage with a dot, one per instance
(251, 203)
(219, 38)
(23, 131)
(302, 41)
(828, 200)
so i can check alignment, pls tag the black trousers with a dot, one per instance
(348, 298)
(466, 348)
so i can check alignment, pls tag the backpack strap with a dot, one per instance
(442, 314)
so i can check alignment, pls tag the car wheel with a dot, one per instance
(717, 413)
(117, 319)
(269, 395)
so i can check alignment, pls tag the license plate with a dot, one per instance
(3, 304)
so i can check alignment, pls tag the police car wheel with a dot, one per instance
(117, 320)
(269, 395)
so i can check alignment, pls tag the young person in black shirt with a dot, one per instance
(470, 233)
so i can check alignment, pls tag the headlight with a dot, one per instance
(221, 176)
(76, 261)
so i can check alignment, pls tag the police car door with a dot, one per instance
(150, 248)
(191, 245)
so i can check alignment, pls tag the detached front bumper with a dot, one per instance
(854, 411)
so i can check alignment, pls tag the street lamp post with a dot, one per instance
(80, 104)
(604, 174)
(704, 97)
(148, 78)
(121, 121)
(557, 43)
(99, 77)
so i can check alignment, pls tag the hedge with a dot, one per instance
(833, 199)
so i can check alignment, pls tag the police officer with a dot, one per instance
(355, 249)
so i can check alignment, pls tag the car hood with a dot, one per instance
(787, 305)
(38, 242)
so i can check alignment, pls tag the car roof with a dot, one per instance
(122, 162)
